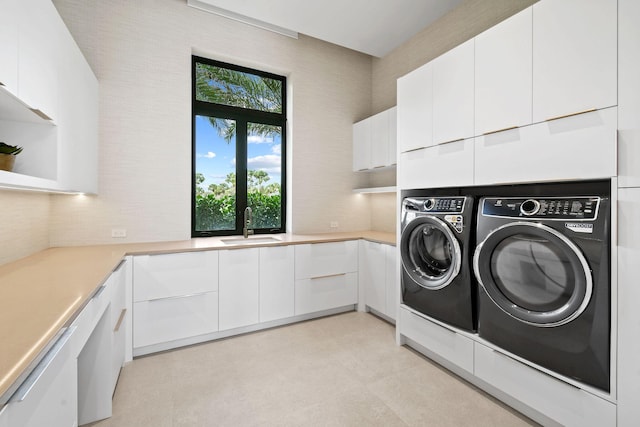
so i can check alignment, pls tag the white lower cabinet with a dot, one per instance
(326, 292)
(376, 275)
(326, 276)
(445, 344)
(566, 404)
(49, 395)
(443, 165)
(239, 288)
(172, 318)
(276, 283)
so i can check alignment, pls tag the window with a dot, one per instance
(239, 155)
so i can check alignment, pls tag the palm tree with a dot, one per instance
(239, 89)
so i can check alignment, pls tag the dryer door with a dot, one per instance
(534, 274)
(430, 252)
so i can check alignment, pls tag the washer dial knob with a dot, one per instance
(530, 207)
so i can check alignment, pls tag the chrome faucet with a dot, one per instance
(248, 219)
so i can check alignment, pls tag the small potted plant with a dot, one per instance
(8, 155)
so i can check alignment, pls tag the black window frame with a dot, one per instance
(242, 116)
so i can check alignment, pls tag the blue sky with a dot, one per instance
(215, 158)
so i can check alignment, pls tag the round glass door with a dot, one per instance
(430, 252)
(534, 274)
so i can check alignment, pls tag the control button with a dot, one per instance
(530, 207)
(429, 204)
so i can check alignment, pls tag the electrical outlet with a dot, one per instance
(333, 224)
(118, 233)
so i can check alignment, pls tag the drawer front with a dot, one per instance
(118, 348)
(169, 319)
(323, 259)
(325, 292)
(168, 275)
(568, 405)
(51, 399)
(442, 341)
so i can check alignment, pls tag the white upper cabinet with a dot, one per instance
(374, 141)
(453, 74)
(574, 57)
(361, 145)
(49, 104)
(503, 75)
(39, 40)
(9, 46)
(392, 144)
(415, 109)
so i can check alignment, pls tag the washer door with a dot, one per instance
(430, 252)
(534, 274)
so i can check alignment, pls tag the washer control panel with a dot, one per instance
(558, 208)
(443, 204)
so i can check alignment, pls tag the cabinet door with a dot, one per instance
(392, 282)
(628, 247)
(379, 140)
(362, 145)
(392, 144)
(453, 94)
(372, 274)
(77, 120)
(239, 288)
(629, 94)
(503, 75)
(574, 56)
(574, 148)
(276, 283)
(40, 37)
(169, 275)
(444, 165)
(119, 315)
(49, 395)
(415, 109)
(9, 46)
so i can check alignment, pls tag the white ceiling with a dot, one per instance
(375, 27)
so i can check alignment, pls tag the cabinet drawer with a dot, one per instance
(325, 292)
(118, 294)
(323, 259)
(573, 148)
(168, 275)
(169, 319)
(48, 397)
(568, 405)
(444, 342)
(443, 165)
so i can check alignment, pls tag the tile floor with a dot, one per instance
(342, 370)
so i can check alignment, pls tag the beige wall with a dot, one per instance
(141, 52)
(24, 228)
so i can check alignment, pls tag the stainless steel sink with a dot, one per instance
(250, 240)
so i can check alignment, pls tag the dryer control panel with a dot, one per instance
(554, 208)
(434, 204)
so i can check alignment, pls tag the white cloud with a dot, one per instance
(259, 139)
(277, 149)
(209, 155)
(268, 163)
